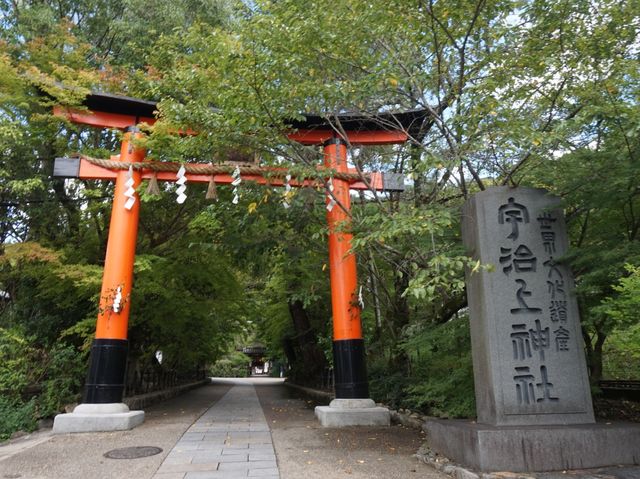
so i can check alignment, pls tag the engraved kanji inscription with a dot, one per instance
(525, 385)
(546, 220)
(558, 309)
(554, 270)
(521, 260)
(549, 241)
(539, 338)
(544, 386)
(513, 213)
(556, 288)
(521, 342)
(520, 295)
(562, 339)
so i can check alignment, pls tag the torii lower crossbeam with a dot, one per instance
(86, 169)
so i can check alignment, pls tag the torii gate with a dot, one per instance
(102, 407)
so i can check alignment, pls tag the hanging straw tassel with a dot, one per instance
(212, 192)
(153, 188)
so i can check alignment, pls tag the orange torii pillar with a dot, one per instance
(348, 344)
(106, 377)
(102, 408)
(352, 406)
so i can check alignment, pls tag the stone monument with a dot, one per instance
(533, 398)
(528, 352)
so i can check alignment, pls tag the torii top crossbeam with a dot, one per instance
(116, 111)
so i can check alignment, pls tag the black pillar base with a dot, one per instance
(107, 370)
(350, 369)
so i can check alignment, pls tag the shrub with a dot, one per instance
(438, 378)
(16, 415)
(65, 371)
(442, 370)
(234, 365)
(57, 374)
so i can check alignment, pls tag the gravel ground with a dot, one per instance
(306, 450)
(80, 456)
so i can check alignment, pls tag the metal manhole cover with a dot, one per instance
(133, 452)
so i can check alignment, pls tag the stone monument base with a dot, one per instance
(98, 418)
(535, 448)
(353, 412)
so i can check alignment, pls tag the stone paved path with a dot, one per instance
(231, 440)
